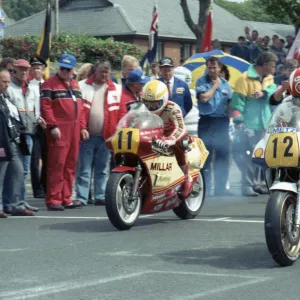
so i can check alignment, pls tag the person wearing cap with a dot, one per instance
(131, 92)
(103, 109)
(25, 98)
(39, 149)
(179, 91)
(63, 111)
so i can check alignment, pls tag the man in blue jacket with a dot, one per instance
(179, 91)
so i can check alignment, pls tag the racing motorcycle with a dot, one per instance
(147, 178)
(278, 152)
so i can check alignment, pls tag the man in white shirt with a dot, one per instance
(39, 149)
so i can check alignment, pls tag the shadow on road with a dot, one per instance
(98, 225)
(249, 256)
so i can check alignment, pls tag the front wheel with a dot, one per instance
(190, 207)
(121, 210)
(283, 240)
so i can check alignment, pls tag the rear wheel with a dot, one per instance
(190, 207)
(121, 210)
(283, 240)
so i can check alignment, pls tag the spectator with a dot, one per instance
(213, 94)
(254, 36)
(39, 148)
(83, 71)
(247, 34)
(256, 49)
(155, 70)
(215, 45)
(282, 43)
(8, 64)
(289, 67)
(266, 42)
(135, 82)
(62, 108)
(11, 164)
(289, 41)
(179, 91)
(241, 50)
(277, 49)
(128, 64)
(274, 38)
(251, 112)
(103, 109)
(25, 98)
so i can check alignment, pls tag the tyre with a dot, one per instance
(282, 240)
(190, 207)
(121, 211)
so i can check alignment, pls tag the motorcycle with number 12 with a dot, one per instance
(147, 178)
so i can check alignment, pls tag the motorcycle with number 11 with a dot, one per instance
(147, 178)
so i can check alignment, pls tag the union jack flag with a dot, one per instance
(153, 39)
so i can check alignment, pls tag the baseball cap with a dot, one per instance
(22, 63)
(67, 61)
(138, 76)
(166, 61)
(36, 60)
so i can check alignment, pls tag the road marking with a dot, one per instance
(153, 217)
(223, 289)
(13, 250)
(59, 287)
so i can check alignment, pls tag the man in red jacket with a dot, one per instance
(62, 109)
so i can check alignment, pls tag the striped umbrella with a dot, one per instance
(235, 65)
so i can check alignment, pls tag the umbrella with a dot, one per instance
(235, 65)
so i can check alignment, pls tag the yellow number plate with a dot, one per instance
(282, 150)
(126, 140)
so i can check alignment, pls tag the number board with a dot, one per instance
(282, 150)
(126, 140)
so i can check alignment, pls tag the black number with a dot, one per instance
(129, 142)
(120, 140)
(275, 142)
(288, 140)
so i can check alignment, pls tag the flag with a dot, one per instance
(207, 37)
(295, 49)
(153, 39)
(44, 47)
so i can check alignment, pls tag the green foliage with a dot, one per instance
(19, 9)
(84, 47)
(255, 10)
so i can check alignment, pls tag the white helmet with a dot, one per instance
(155, 96)
(184, 74)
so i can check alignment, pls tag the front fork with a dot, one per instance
(297, 210)
(135, 186)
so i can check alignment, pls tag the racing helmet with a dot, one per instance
(155, 96)
(294, 83)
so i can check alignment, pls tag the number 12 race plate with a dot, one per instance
(282, 150)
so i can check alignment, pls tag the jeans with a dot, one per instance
(11, 180)
(215, 135)
(26, 164)
(93, 152)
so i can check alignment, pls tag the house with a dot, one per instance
(129, 21)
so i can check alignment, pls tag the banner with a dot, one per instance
(295, 49)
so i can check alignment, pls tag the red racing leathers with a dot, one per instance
(62, 107)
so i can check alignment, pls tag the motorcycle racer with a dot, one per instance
(155, 97)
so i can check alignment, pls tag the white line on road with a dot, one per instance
(223, 289)
(153, 217)
(59, 287)
(13, 250)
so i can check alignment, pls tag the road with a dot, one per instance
(77, 254)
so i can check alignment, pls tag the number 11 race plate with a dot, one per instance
(282, 150)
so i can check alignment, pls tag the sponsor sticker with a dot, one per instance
(283, 129)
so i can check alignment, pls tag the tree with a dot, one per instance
(284, 8)
(19, 9)
(199, 27)
(252, 10)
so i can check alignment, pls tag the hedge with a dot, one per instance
(84, 47)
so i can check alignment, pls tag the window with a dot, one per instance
(185, 51)
(159, 51)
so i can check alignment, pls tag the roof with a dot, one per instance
(124, 17)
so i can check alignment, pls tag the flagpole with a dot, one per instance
(56, 17)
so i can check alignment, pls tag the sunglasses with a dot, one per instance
(11, 70)
(65, 69)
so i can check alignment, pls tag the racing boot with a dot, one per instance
(188, 182)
